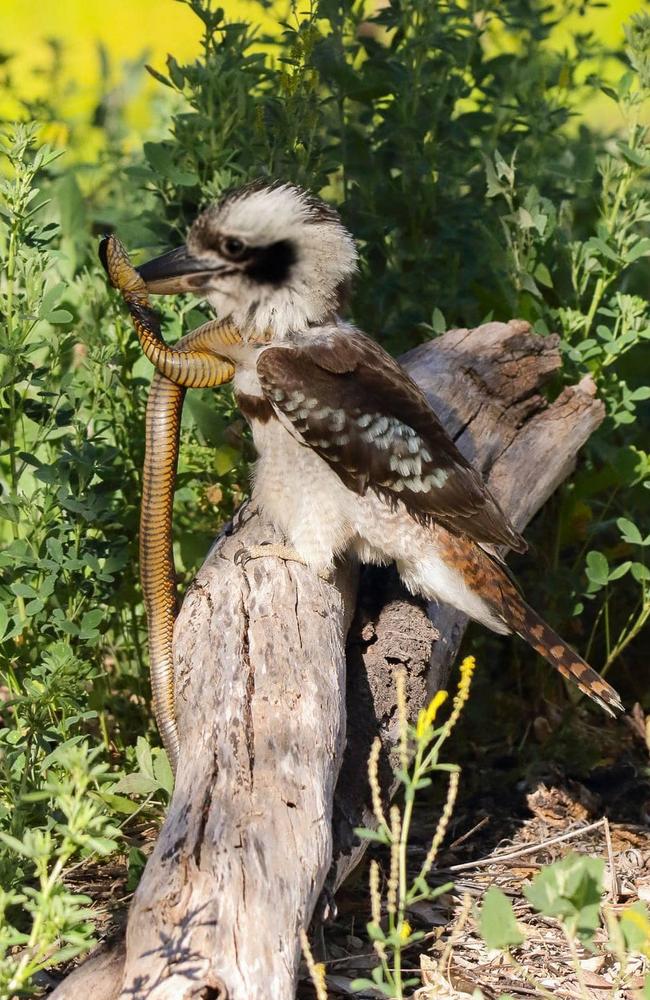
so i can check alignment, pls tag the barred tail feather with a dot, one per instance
(528, 624)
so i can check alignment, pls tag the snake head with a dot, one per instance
(121, 273)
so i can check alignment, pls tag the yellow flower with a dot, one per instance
(467, 668)
(427, 715)
(642, 923)
(319, 972)
(405, 931)
(55, 134)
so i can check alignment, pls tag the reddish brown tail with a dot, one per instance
(527, 623)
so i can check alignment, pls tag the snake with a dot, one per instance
(193, 362)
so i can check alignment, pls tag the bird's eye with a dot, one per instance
(233, 248)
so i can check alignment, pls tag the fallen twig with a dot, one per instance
(522, 851)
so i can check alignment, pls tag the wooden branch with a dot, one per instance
(255, 824)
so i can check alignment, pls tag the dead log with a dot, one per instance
(257, 819)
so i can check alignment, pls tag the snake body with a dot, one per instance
(192, 363)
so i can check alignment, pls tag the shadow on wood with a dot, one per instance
(269, 789)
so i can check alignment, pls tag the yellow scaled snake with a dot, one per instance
(193, 362)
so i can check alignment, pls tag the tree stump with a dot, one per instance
(269, 786)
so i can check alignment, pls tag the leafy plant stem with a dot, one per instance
(575, 959)
(628, 634)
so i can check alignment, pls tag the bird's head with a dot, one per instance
(269, 256)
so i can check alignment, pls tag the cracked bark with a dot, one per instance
(259, 822)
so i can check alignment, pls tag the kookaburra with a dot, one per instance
(351, 457)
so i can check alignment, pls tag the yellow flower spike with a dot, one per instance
(405, 931)
(316, 969)
(373, 778)
(467, 668)
(319, 972)
(428, 714)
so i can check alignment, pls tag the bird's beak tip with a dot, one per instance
(173, 272)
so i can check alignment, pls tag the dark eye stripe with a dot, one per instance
(271, 265)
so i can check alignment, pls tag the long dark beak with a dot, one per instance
(176, 271)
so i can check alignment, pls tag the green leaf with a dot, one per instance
(597, 568)
(438, 323)
(620, 570)
(379, 836)
(375, 933)
(175, 72)
(640, 394)
(629, 531)
(102, 845)
(4, 620)
(136, 784)
(494, 186)
(361, 985)
(50, 300)
(497, 921)
(92, 618)
(570, 890)
(16, 845)
(163, 772)
(119, 804)
(640, 249)
(378, 977)
(60, 316)
(158, 76)
(207, 419)
(597, 244)
(543, 275)
(144, 757)
(638, 157)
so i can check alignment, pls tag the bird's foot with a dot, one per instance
(277, 551)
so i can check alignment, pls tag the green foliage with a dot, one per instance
(153, 775)
(419, 762)
(54, 924)
(453, 140)
(497, 921)
(570, 891)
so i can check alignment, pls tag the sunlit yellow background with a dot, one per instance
(130, 29)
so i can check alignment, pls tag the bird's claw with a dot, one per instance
(271, 549)
(241, 557)
(245, 555)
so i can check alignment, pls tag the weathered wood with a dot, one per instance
(252, 830)
(99, 976)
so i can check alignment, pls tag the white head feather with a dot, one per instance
(298, 256)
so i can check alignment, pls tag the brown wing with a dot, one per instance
(353, 404)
